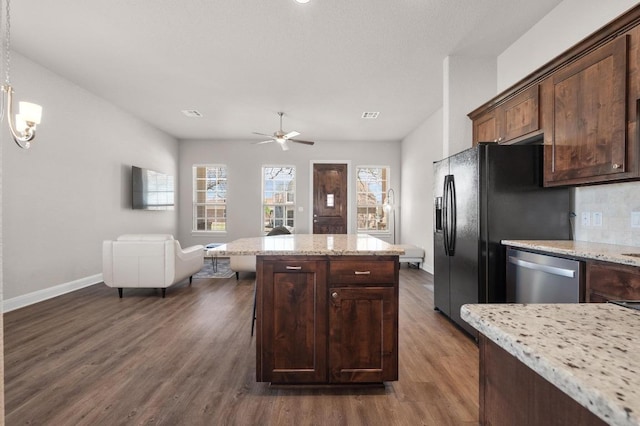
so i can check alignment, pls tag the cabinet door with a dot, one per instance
(485, 128)
(519, 115)
(588, 143)
(611, 281)
(363, 342)
(292, 332)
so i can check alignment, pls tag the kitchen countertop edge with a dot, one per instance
(493, 321)
(581, 249)
(308, 245)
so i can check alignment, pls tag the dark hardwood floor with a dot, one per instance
(90, 358)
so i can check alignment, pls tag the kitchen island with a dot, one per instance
(326, 307)
(558, 363)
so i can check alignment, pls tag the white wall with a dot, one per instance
(244, 165)
(468, 82)
(567, 24)
(420, 149)
(71, 190)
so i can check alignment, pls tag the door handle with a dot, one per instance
(554, 270)
(449, 213)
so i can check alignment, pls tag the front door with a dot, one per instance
(329, 198)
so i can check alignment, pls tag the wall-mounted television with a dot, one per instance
(151, 190)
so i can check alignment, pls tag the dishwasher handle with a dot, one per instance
(569, 273)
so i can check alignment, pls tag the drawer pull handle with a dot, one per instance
(294, 268)
(617, 166)
(362, 272)
(334, 295)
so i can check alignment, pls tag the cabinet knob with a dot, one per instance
(617, 166)
(334, 294)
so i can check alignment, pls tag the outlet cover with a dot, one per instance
(585, 219)
(635, 219)
(596, 218)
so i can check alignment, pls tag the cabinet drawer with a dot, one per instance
(610, 281)
(362, 272)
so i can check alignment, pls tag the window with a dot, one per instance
(372, 186)
(210, 198)
(278, 197)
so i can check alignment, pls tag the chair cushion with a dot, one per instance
(145, 237)
(411, 251)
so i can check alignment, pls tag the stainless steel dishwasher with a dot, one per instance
(539, 278)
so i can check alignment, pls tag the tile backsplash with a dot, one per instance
(604, 213)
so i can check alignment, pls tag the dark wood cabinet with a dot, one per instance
(511, 393)
(588, 140)
(363, 320)
(586, 104)
(485, 127)
(327, 319)
(292, 324)
(612, 281)
(518, 117)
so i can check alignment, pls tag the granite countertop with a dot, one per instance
(309, 245)
(589, 351)
(583, 249)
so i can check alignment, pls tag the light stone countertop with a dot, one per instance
(590, 351)
(583, 249)
(308, 245)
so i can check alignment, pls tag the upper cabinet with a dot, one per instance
(515, 118)
(588, 140)
(585, 103)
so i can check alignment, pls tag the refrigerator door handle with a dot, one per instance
(454, 214)
(445, 215)
(448, 213)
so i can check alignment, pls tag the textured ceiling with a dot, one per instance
(238, 62)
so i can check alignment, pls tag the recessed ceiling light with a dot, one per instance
(370, 114)
(193, 113)
(302, 1)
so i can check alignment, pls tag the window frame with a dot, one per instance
(195, 204)
(383, 197)
(287, 206)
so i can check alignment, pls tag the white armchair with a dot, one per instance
(148, 260)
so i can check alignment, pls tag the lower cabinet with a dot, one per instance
(611, 281)
(327, 320)
(511, 393)
(363, 338)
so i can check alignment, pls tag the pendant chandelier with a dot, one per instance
(23, 125)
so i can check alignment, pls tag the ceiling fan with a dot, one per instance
(281, 137)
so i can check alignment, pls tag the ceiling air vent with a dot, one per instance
(193, 113)
(370, 114)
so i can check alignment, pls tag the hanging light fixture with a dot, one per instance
(23, 125)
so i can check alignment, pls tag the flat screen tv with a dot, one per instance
(151, 190)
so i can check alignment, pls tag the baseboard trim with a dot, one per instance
(428, 268)
(14, 303)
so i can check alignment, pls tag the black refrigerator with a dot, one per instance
(483, 195)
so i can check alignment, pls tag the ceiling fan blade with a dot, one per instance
(300, 141)
(284, 145)
(291, 135)
(260, 143)
(262, 134)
